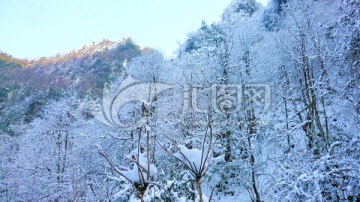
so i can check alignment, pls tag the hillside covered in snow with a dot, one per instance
(261, 106)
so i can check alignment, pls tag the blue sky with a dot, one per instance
(35, 28)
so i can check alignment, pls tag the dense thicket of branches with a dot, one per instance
(275, 91)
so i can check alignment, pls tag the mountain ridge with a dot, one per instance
(87, 50)
(30, 83)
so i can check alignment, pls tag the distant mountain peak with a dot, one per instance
(85, 51)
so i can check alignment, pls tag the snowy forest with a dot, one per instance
(263, 105)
